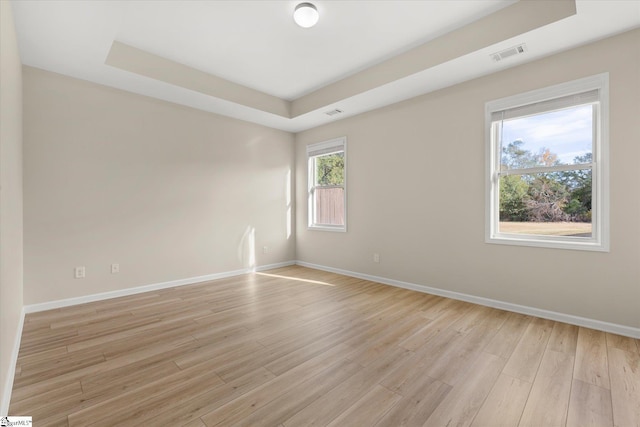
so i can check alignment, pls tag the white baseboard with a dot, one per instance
(8, 385)
(33, 308)
(532, 311)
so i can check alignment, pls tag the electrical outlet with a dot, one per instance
(265, 249)
(79, 272)
(115, 268)
(376, 257)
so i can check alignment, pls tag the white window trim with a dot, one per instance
(600, 170)
(339, 144)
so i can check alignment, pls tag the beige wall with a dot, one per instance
(10, 194)
(166, 191)
(416, 195)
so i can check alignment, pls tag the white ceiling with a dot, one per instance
(256, 44)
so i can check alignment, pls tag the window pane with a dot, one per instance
(552, 204)
(330, 169)
(329, 205)
(561, 137)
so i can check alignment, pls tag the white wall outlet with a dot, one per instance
(115, 268)
(79, 272)
(376, 257)
(265, 249)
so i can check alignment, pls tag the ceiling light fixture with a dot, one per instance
(306, 15)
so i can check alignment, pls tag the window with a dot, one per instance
(327, 185)
(547, 167)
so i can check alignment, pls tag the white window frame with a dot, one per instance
(599, 167)
(314, 150)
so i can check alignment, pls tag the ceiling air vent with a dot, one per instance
(333, 112)
(507, 53)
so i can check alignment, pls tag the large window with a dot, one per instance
(327, 185)
(547, 167)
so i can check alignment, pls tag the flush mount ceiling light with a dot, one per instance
(306, 15)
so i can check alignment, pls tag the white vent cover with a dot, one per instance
(507, 53)
(333, 112)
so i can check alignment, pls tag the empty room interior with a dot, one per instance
(327, 213)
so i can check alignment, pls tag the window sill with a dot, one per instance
(339, 229)
(549, 242)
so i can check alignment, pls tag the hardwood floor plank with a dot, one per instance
(195, 423)
(625, 387)
(90, 321)
(433, 327)
(415, 407)
(153, 308)
(623, 343)
(26, 405)
(163, 350)
(88, 340)
(301, 355)
(473, 316)
(47, 355)
(144, 401)
(67, 365)
(128, 377)
(525, 359)
(564, 338)
(591, 358)
(549, 398)
(210, 400)
(504, 404)
(248, 403)
(589, 406)
(226, 351)
(453, 363)
(368, 352)
(300, 396)
(507, 338)
(33, 320)
(123, 304)
(368, 410)
(492, 320)
(329, 406)
(289, 352)
(442, 305)
(57, 421)
(402, 378)
(305, 334)
(462, 403)
(62, 363)
(44, 340)
(20, 393)
(162, 333)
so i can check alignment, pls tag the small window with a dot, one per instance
(547, 167)
(327, 185)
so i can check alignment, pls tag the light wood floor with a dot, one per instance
(300, 347)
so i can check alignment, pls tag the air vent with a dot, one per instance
(333, 112)
(507, 53)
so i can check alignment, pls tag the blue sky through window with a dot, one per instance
(567, 133)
